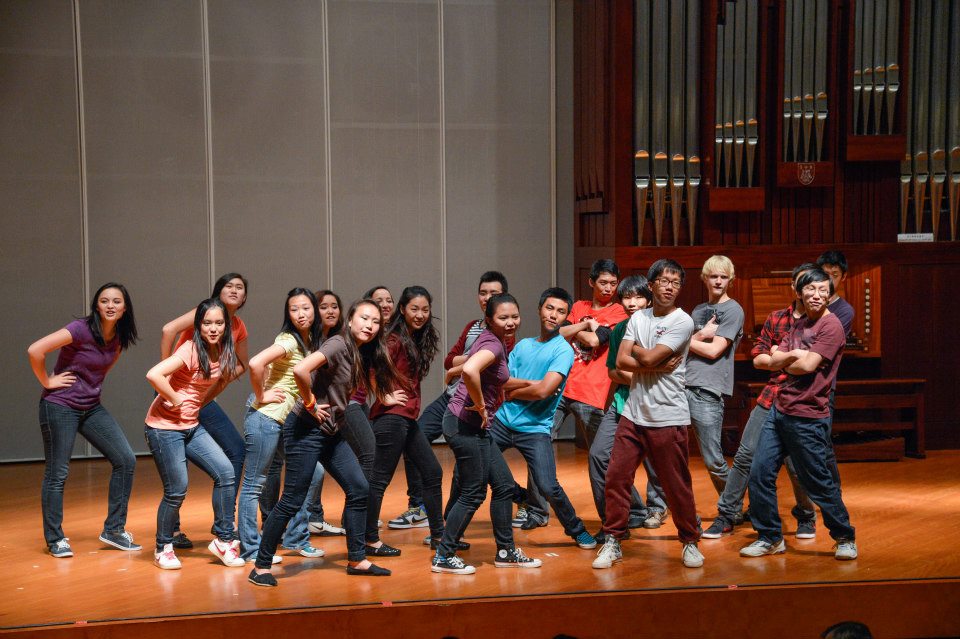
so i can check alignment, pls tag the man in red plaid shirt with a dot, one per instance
(730, 504)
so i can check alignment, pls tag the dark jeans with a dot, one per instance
(59, 426)
(305, 445)
(171, 449)
(478, 462)
(397, 435)
(431, 424)
(537, 451)
(807, 442)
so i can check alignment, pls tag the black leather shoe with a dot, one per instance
(382, 551)
(373, 571)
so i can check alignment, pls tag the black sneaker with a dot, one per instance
(807, 529)
(453, 565)
(60, 549)
(383, 551)
(718, 529)
(122, 540)
(264, 579)
(533, 521)
(514, 558)
(181, 541)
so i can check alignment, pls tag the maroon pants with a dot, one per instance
(667, 449)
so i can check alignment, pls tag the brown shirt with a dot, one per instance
(333, 382)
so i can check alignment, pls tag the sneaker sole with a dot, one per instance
(132, 548)
(416, 524)
(157, 564)
(693, 564)
(710, 535)
(773, 551)
(453, 571)
(62, 555)
(512, 564)
(610, 565)
(845, 558)
(587, 546)
(806, 535)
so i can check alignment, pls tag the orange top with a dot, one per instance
(588, 381)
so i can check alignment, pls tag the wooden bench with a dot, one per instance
(875, 405)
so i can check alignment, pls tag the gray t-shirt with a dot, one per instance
(657, 400)
(716, 375)
(332, 382)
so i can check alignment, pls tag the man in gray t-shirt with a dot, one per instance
(709, 373)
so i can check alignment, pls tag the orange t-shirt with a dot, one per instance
(588, 381)
(189, 382)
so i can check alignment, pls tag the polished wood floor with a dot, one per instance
(906, 514)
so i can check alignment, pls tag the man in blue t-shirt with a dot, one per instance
(538, 371)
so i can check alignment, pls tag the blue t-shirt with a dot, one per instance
(533, 359)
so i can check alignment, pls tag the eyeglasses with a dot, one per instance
(665, 283)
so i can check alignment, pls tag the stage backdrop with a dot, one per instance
(319, 143)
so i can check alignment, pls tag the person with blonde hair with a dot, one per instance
(718, 326)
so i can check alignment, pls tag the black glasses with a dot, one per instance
(665, 283)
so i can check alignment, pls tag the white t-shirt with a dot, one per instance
(657, 400)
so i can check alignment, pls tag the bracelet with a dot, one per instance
(311, 404)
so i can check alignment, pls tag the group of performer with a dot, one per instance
(339, 393)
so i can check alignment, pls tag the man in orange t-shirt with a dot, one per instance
(588, 385)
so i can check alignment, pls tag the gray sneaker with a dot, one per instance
(655, 519)
(845, 550)
(521, 517)
(122, 540)
(61, 549)
(762, 547)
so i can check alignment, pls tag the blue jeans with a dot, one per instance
(730, 504)
(59, 426)
(587, 419)
(431, 424)
(599, 461)
(304, 445)
(706, 415)
(263, 435)
(807, 442)
(478, 462)
(398, 435)
(537, 451)
(171, 449)
(222, 430)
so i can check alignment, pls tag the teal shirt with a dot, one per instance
(621, 393)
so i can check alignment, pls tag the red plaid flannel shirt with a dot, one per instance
(775, 328)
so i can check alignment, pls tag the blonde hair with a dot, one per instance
(718, 263)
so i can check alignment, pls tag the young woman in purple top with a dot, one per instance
(70, 404)
(478, 460)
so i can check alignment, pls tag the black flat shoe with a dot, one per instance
(373, 571)
(382, 551)
(265, 579)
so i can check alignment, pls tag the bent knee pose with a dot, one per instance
(635, 296)
(655, 416)
(798, 425)
(311, 434)
(196, 372)
(412, 342)
(479, 461)
(70, 404)
(538, 370)
(231, 289)
(431, 421)
(275, 395)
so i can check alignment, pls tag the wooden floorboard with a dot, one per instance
(905, 513)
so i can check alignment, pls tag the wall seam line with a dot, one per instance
(553, 142)
(327, 152)
(208, 140)
(443, 178)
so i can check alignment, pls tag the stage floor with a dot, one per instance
(906, 514)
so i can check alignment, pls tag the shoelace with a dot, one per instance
(456, 562)
(518, 553)
(127, 536)
(62, 544)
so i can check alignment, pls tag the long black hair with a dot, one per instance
(226, 277)
(126, 325)
(372, 360)
(421, 345)
(316, 330)
(336, 328)
(227, 355)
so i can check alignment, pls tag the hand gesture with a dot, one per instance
(396, 398)
(484, 417)
(61, 380)
(321, 412)
(174, 406)
(273, 396)
(592, 324)
(709, 329)
(672, 363)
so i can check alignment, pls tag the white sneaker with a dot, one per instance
(166, 558)
(325, 528)
(845, 550)
(609, 553)
(692, 557)
(761, 547)
(228, 552)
